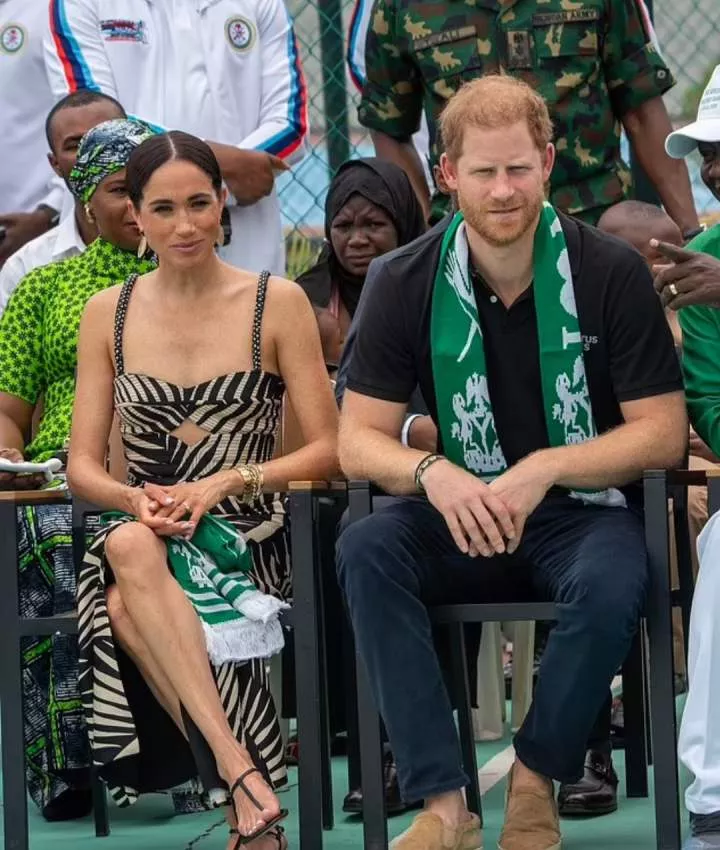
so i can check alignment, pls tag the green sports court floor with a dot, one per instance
(150, 824)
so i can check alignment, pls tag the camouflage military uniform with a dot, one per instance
(592, 60)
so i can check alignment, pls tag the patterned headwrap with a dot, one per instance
(104, 150)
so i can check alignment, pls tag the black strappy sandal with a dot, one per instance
(246, 839)
(277, 833)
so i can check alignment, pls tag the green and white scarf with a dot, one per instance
(240, 622)
(465, 414)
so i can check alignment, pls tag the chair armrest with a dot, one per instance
(35, 497)
(337, 486)
(690, 477)
(683, 477)
(366, 485)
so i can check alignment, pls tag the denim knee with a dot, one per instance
(610, 603)
(372, 551)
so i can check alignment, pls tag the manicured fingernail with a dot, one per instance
(188, 525)
(168, 501)
(654, 243)
(169, 521)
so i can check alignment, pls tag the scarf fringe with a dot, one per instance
(242, 640)
(610, 498)
(260, 606)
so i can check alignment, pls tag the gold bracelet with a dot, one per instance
(253, 480)
(260, 482)
(246, 476)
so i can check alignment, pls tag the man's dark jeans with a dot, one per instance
(393, 564)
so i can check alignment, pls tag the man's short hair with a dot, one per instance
(81, 97)
(492, 101)
(629, 213)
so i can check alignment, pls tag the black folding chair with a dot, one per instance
(12, 629)
(313, 726)
(657, 622)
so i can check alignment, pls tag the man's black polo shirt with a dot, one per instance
(629, 352)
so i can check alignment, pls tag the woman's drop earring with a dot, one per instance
(142, 247)
(88, 214)
(220, 241)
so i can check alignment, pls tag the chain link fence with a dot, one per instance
(689, 36)
(322, 28)
(688, 32)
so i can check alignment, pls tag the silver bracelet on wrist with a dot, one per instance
(407, 425)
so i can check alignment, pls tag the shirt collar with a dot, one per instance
(571, 232)
(68, 238)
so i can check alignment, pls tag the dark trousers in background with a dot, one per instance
(396, 562)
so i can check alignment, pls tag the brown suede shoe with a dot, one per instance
(531, 820)
(428, 832)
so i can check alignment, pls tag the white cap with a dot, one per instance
(706, 128)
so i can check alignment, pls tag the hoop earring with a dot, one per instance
(220, 241)
(142, 247)
(89, 215)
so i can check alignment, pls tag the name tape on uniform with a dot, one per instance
(444, 37)
(569, 16)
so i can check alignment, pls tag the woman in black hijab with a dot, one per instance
(371, 208)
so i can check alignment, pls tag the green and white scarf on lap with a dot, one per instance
(239, 621)
(465, 415)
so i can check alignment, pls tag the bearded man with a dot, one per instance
(547, 365)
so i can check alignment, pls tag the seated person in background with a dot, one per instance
(38, 356)
(371, 208)
(543, 436)
(66, 124)
(194, 359)
(689, 281)
(639, 223)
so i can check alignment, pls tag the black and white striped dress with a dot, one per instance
(133, 740)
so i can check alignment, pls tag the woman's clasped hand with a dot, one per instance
(177, 509)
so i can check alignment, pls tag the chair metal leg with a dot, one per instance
(15, 813)
(461, 686)
(353, 745)
(307, 655)
(100, 806)
(326, 793)
(633, 673)
(371, 765)
(686, 579)
(369, 737)
(662, 694)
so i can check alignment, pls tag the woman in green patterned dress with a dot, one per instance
(38, 356)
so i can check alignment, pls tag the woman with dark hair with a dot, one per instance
(38, 357)
(179, 594)
(371, 208)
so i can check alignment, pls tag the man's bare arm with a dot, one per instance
(648, 125)
(370, 446)
(654, 436)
